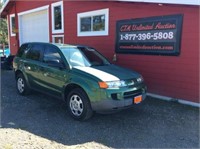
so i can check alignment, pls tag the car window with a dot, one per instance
(50, 54)
(35, 52)
(77, 59)
(74, 56)
(94, 57)
(23, 49)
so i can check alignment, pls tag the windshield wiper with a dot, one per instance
(99, 64)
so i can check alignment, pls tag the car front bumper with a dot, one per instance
(114, 101)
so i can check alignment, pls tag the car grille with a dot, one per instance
(132, 94)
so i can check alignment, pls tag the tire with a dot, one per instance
(78, 105)
(21, 85)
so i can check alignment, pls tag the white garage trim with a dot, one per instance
(33, 10)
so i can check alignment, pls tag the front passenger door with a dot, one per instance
(53, 73)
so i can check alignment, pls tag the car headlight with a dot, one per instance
(112, 84)
(140, 79)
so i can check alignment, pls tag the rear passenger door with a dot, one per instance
(32, 63)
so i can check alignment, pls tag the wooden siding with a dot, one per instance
(172, 76)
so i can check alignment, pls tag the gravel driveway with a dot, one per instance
(40, 121)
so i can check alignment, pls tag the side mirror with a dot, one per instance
(55, 63)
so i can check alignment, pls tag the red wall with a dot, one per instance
(22, 6)
(172, 76)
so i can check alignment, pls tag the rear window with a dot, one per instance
(35, 52)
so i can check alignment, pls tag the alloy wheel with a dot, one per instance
(20, 85)
(76, 105)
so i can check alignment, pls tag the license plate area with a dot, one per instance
(137, 99)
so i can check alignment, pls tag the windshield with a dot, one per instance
(84, 57)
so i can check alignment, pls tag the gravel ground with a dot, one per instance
(39, 121)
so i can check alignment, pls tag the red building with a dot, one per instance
(173, 76)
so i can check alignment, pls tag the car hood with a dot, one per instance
(109, 72)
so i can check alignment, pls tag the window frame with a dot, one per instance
(54, 36)
(92, 14)
(53, 5)
(11, 29)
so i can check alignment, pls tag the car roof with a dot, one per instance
(70, 45)
(60, 45)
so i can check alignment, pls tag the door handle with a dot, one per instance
(46, 74)
(22, 61)
(41, 68)
(27, 67)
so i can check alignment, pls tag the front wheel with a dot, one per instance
(78, 105)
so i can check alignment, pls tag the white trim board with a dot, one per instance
(183, 2)
(10, 25)
(58, 35)
(91, 14)
(4, 6)
(53, 5)
(181, 101)
(33, 10)
(53, 36)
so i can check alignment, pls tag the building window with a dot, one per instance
(12, 25)
(57, 17)
(58, 38)
(93, 23)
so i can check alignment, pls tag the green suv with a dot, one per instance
(79, 75)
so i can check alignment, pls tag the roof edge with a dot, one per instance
(4, 5)
(179, 2)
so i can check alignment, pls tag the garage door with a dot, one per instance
(34, 27)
